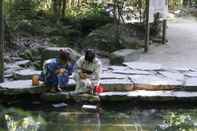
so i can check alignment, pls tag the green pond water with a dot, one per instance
(73, 118)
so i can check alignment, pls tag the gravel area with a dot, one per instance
(181, 48)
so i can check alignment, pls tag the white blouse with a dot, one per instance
(94, 67)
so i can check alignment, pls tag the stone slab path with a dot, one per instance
(127, 81)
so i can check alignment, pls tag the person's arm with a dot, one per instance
(71, 68)
(98, 71)
(78, 65)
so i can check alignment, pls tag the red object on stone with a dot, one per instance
(100, 89)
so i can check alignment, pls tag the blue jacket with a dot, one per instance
(49, 75)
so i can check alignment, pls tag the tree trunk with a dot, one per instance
(114, 12)
(72, 3)
(190, 3)
(64, 7)
(78, 3)
(1, 41)
(57, 9)
(8, 37)
(187, 3)
(54, 5)
(116, 20)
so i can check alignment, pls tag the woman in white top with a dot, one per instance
(88, 70)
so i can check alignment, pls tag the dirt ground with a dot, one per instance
(181, 48)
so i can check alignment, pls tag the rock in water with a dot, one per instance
(89, 107)
(59, 105)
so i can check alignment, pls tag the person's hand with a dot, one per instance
(83, 75)
(60, 71)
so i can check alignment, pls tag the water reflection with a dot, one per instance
(18, 120)
(176, 121)
(13, 119)
(24, 124)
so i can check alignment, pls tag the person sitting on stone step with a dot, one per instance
(87, 73)
(56, 71)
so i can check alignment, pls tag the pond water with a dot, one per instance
(109, 118)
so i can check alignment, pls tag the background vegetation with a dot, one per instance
(66, 22)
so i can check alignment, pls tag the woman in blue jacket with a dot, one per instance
(56, 71)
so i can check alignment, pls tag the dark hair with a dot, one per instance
(89, 55)
(64, 55)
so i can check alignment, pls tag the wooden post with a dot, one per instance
(164, 31)
(1, 41)
(147, 28)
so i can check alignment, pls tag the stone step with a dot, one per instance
(174, 75)
(109, 75)
(190, 84)
(66, 96)
(144, 66)
(20, 87)
(25, 74)
(132, 72)
(149, 95)
(154, 82)
(117, 85)
(25, 86)
(137, 82)
(23, 63)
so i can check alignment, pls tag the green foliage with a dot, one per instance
(77, 23)
(15, 119)
(21, 13)
(178, 122)
(27, 54)
(93, 22)
(195, 1)
(63, 36)
(59, 41)
(37, 65)
(174, 4)
(103, 38)
(29, 26)
(84, 11)
(24, 9)
(87, 18)
(32, 17)
(111, 38)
